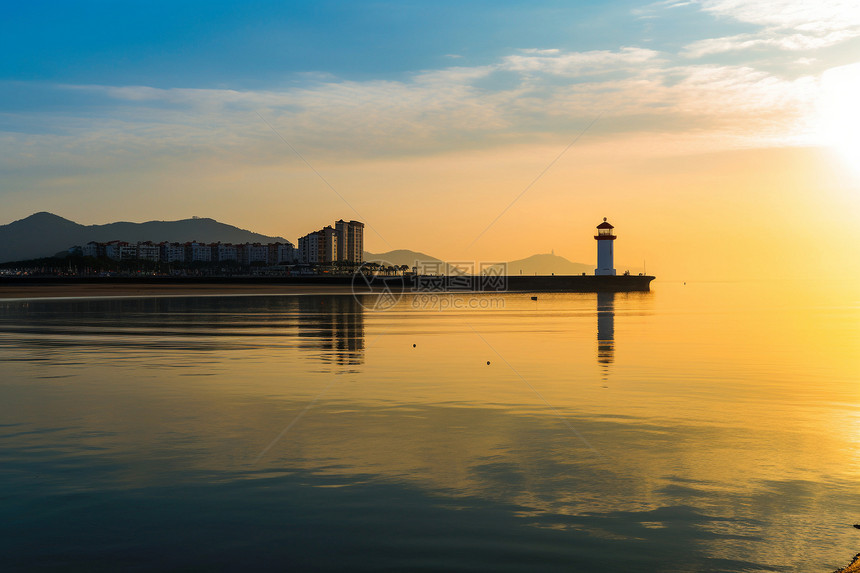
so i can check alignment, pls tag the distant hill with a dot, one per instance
(426, 263)
(45, 234)
(547, 264)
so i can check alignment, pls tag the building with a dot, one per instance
(605, 255)
(93, 249)
(197, 252)
(350, 241)
(120, 251)
(112, 250)
(225, 252)
(319, 247)
(343, 243)
(253, 253)
(148, 251)
(172, 252)
(282, 253)
(328, 244)
(308, 248)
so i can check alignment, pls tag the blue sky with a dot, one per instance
(257, 44)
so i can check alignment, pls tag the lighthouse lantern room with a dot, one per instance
(605, 253)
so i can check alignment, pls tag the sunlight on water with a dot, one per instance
(696, 427)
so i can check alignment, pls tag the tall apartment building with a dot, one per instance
(350, 241)
(308, 248)
(328, 244)
(319, 247)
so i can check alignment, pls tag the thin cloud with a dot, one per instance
(788, 42)
(520, 99)
(547, 52)
(576, 63)
(818, 16)
(790, 25)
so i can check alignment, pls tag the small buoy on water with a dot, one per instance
(488, 362)
(413, 346)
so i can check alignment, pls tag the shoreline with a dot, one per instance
(126, 290)
(68, 287)
(18, 288)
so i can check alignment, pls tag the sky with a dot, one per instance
(720, 137)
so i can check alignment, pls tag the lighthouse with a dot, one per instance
(605, 252)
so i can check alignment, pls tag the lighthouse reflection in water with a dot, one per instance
(605, 332)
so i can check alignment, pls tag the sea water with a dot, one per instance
(698, 427)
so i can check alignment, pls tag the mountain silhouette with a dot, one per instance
(544, 264)
(45, 234)
(425, 263)
(547, 264)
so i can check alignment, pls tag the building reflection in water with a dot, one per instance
(605, 332)
(336, 324)
(329, 327)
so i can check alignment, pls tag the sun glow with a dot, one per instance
(839, 109)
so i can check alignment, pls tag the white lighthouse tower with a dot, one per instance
(605, 252)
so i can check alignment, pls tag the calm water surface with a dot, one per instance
(699, 427)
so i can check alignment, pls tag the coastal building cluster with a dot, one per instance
(193, 252)
(343, 243)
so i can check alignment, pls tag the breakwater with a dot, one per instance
(367, 283)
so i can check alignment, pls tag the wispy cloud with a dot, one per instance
(577, 63)
(533, 95)
(774, 39)
(792, 25)
(818, 16)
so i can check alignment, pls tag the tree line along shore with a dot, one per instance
(71, 266)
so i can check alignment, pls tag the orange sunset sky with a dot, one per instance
(720, 137)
